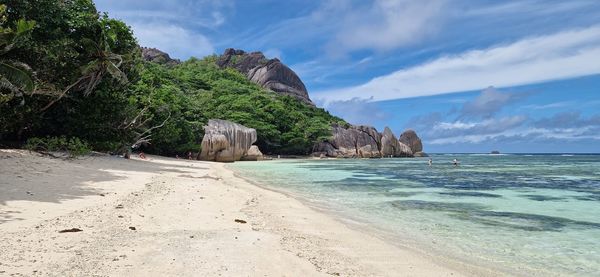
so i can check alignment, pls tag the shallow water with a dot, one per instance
(522, 213)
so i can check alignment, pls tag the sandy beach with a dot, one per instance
(169, 217)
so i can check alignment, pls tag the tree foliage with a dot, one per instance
(197, 90)
(87, 80)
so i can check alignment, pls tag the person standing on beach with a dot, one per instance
(189, 155)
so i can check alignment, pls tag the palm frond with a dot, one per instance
(18, 77)
(24, 26)
(116, 73)
(90, 45)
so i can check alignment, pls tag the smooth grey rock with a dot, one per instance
(410, 138)
(226, 141)
(253, 154)
(157, 56)
(421, 154)
(405, 150)
(362, 142)
(390, 146)
(351, 142)
(270, 74)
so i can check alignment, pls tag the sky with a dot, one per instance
(466, 75)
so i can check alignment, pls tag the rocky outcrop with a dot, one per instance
(355, 141)
(362, 142)
(420, 154)
(226, 141)
(157, 56)
(270, 74)
(253, 154)
(410, 138)
(391, 147)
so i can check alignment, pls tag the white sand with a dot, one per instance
(183, 213)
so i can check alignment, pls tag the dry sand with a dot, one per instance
(168, 217)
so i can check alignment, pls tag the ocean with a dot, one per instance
(521, 214)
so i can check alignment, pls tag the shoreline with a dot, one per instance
(442, 257)
(171, 217)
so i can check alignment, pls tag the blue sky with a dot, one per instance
(468, 76)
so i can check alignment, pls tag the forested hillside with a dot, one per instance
(66, 70)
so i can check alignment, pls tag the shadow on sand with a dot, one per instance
(31, 177)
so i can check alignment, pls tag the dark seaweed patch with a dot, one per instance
(479, 214)
(470, 193)
(436, 206)
(594, 197)
(537, 197)
(401, 193)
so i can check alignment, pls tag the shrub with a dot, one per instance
(74, 147)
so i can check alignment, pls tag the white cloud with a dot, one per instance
(341, 27)
(386, 24)
(273, 53)
(199, 13)
(489, 102)
(354, 111)
(554, 105)
(561, 55)
(522, 135)
(177, 27)
(176, 41)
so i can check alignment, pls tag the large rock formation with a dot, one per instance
(410, 138)
(157, 56)
(268, 73)
(362, 142)
(225, 141)
(390, 146)
(355, 141)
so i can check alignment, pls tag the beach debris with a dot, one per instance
(120, 216)
(72, 230)
(102, 194)
(191, 237)
(120, 206)
(29, 193)
(132, 228)
(240, 221)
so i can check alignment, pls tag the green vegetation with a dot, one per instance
(74, 147)
(72, 73)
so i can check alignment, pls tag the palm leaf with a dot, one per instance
(16, 76)
(24, 26)
(116, 73)
(90, 45)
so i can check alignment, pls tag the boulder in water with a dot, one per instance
(253, 154)
(365, 142)
(410, 138)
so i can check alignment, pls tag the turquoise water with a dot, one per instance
(525, 214)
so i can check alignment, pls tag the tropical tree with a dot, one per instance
(15, 77)
(103, 61)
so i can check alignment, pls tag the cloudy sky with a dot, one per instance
(468, 76)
